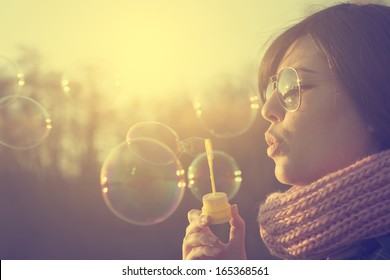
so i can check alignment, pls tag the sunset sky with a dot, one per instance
(154, 45)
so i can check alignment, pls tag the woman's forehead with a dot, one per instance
(304, 53)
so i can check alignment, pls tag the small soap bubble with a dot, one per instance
(138, 191)
(227, 106)
(227, 175)
(91, 84)
(11, 77)
(24, 123)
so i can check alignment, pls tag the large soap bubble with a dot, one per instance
(139, 191)
(226, 106)
(24, 123)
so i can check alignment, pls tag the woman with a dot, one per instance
(325, 84)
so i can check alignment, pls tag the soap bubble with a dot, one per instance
(227, 175)
(141, 192)
(11, 77)
(24, 123)
(91, 84)
(227, 106)
(164, 134)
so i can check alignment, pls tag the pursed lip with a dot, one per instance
(273, 143)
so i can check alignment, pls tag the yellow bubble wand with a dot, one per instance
(210, 158)
(215, 204)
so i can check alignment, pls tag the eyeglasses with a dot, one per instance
(288, 88)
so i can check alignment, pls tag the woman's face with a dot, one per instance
(325, 134)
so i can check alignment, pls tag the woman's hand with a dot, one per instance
(200, 243)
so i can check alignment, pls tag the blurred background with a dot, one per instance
(75, 76)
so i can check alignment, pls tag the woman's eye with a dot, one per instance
(306, 86)
(291, 95)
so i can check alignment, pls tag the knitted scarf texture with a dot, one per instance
(335, 212)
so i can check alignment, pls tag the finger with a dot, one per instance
(202, 253)
(200, 239)
(193, 227)
(197, 226)
(237, 228)
(203, 237)
(195, 217)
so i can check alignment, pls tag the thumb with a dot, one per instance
(237, 231)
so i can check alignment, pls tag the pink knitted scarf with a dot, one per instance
(335, 212)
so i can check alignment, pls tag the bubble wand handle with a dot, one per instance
(210, 158)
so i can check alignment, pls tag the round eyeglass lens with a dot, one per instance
(288, 89)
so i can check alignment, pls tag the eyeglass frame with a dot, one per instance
(274, 83)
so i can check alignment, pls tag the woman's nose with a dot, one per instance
(272, 110)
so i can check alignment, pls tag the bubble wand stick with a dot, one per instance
(210, 158)
(215, 204)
